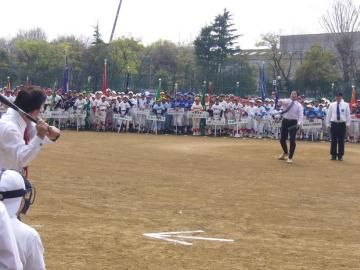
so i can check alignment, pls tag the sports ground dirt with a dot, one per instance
(98, 193)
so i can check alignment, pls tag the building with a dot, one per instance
(298, 45)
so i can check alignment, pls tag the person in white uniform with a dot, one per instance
(14, 191)
(9, 254)
(16, 152)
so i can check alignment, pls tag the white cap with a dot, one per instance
(10, 181)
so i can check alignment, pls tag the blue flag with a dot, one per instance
(262, 82)
(65, 84)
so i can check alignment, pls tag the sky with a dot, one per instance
(150, 20)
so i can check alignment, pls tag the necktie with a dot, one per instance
(338, 112)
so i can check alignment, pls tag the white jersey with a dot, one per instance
(237, 109)
(217, 110)
(133, 101)
(223, 104)
(102, 105)
(30, 247)
(57, 98)
(141, 103)
(123, 107)
(9, 254)
(48, 100)
(12, 98)
(196, 108)
(251, 111)
(80, 104)
(260, 112)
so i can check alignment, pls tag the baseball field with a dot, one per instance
(97, 194)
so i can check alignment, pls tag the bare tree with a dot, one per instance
(343, 21)
(32, 34)
(281, 61)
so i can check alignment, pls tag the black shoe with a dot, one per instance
(340, 158)
(333, 158)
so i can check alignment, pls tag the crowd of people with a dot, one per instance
(162, 113)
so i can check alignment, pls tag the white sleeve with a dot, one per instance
(348, 117)
(9, 254)
(13, 144)
(285, 101)
(328, 116)
(35, 259)
(301, 114)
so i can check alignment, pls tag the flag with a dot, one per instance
(104, 81)
(203, 101)
(353, 97)
(158, 89)
(276, 96)
(53, 93)
(203, 104)
(65, 84)
(262, 82)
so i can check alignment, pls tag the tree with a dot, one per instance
(214, 45)
(39, 60)
(124, 59)
(281, 61)
(187, 69)
(32, 34)
(95, 56)
(225, 38)
(318, 71)
(163, 55)
(5, 67)
(342, 21)
(205, 56)
(75, 49)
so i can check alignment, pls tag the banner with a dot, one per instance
(215, 122)
(239, 122)
(122, 117)
(55, 115)
(81, 115)
(199, 115)
(141, 112)
(312, 124)
(151, 117)
(172, 111)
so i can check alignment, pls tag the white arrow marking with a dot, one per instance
(166, 236)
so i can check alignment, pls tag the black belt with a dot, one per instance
(337, 122)
(290, 119)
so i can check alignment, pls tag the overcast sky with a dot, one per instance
(150, 20)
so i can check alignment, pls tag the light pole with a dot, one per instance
(127, 80)
(237, 92)
(88, 81)
(276, 84)
(175, 88)
(9, 86)
(332, 90)
(203, 120)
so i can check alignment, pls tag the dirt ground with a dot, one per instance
(98, 193)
